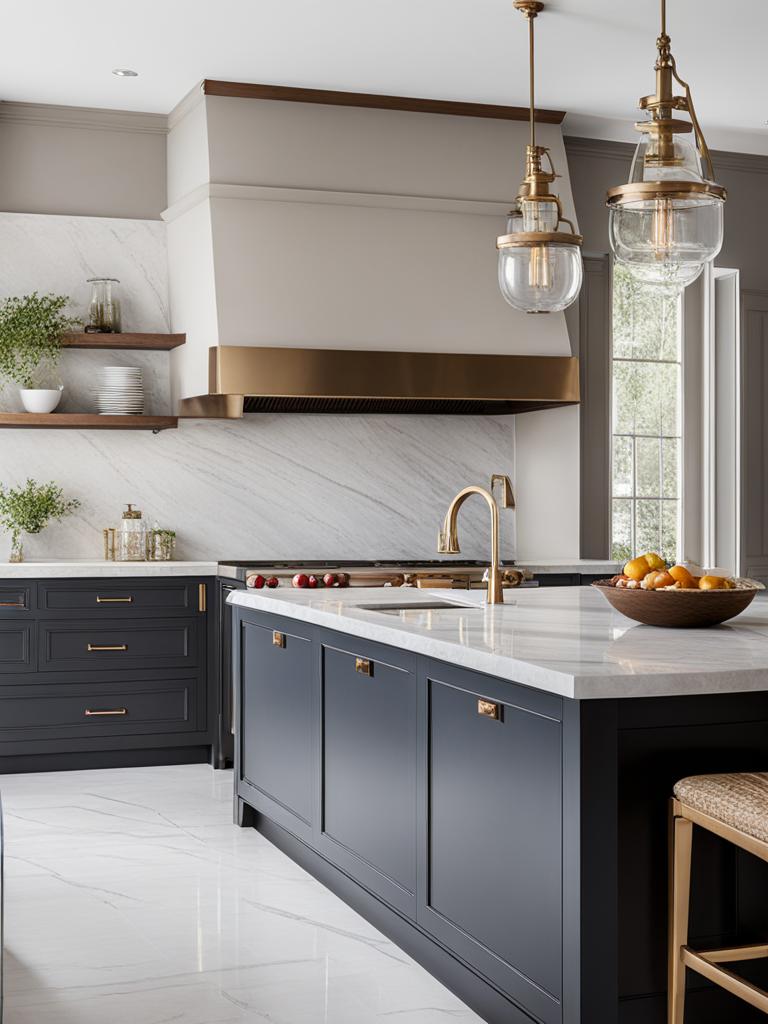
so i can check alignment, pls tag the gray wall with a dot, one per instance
(72, 160)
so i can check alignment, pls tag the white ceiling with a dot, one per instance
(595, 57)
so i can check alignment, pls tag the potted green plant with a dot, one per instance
(29, 509)
(31, 330)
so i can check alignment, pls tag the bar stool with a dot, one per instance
(734, 807)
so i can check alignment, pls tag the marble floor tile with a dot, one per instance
(131, 897)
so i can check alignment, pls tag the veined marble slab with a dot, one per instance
(65, 568)
(131, 897)
(565, 640)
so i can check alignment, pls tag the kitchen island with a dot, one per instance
(489, 786)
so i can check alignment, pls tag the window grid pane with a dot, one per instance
(646, 416)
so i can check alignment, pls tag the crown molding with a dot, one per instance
(185, 106)
(606, 149)
(89, 118)
(325, 197)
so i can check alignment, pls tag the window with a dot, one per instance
(646, 370)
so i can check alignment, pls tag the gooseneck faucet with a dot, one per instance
(448, 538)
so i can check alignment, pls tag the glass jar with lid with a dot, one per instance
(131, 537)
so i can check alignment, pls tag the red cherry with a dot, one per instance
(313, 582)
(256, 581)
(330, 579)
(343, 579)
(273, 582)
(301, 580)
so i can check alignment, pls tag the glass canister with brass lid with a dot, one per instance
(131, 537)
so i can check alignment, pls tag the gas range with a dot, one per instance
(429, 574)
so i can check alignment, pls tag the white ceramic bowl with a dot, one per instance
(40, 400)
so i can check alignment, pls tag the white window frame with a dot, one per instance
(611, 435)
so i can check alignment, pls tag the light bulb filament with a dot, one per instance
(663, 231)
(540, 268)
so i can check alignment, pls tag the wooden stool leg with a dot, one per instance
(679, 895)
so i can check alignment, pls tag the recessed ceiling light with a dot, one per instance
(125, 73)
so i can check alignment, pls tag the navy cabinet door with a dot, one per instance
(492, 831)
(277, 756)
(17, 648)
(368, 799)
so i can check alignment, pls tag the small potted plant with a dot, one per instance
(29, 509)
(31, 330)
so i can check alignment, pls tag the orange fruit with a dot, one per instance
(663, 579)
(712, 583)
(681, 575)
(637, 568)
(655, 561)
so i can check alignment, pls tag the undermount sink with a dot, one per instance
(418, 606)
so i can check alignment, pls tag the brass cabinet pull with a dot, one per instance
(98, 713)
(488, 709)
(113, 600)
(12, 604)
(278, 639)
(364, 666)
(107, 647)
(202, 597)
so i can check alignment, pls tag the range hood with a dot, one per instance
(325, 257)
(273, 380)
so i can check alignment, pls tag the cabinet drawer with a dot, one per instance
(16, 647)
(16, 600)
(132, 598)
(97, 709)
(77, 646)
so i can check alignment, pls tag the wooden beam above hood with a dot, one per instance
(246, 90)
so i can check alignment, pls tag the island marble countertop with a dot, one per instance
(565, 640)
(66, 568)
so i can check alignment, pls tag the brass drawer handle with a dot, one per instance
(364, 666)
(107, 647)
(12, 604)
(488, 709)
(278, 639)
(113, 600)
(95, 713)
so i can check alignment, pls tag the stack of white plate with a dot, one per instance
(120, 390)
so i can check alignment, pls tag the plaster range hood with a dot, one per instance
(311, 380)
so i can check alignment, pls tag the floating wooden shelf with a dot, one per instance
(87, 421)
(147, 342)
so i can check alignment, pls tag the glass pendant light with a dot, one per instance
(540, 268)
(667, 221)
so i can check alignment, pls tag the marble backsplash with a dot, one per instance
(274, 487)
(267, 487)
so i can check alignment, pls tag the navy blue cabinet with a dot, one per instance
(368, 769)
(105, 672)
(415, 786)
(491, 830)
(277, 714)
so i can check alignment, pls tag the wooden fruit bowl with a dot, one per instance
(680, 609)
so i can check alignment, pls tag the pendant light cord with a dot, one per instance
(531, 83)
(663, 17)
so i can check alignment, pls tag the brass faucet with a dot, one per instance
(448, 538)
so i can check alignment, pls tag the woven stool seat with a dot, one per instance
(738, 799)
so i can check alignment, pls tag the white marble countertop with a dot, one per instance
(566, 640)
(63, 568)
